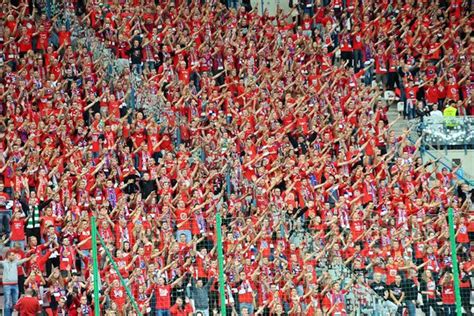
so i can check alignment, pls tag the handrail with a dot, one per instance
(426, 151)
(447, 131)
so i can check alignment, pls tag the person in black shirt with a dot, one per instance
(465, 193)
(410, 288)
(429, 294)
(382, 290)
(147, 186)
(397, 294)
(135, 53)
(179, 291)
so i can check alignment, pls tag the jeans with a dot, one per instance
(410, 112)
(5, 222)
(369, 75)
(10, 293)
(248, 306)
(186, 233)
(449, 310)
(137, 69)
(233, 4)
(22, 243)
(411, 308)
(196, 80)
(357, 60)
(399, 311)
(308, 10)
(162, 312)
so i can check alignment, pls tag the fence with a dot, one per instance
(438, 134)
(192, 257)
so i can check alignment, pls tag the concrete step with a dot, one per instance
(401, 125)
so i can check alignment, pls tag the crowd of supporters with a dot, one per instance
(276, 122)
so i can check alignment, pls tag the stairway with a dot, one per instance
(401, 125)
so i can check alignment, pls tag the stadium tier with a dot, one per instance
(204, 157)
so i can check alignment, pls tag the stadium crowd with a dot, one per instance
(277, 122)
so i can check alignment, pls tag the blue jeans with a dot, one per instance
(162, 312)
(357, 60)
(204, 312)
(5, 222)
(10, 293)
(137, 69)
(384, 307)
(369, 75)
(411, 308)
(248, 306)
(410, 111)
(196, 80)
(233, 4)
(22, 243)
(449, 310)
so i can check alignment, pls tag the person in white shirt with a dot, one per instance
(435, 113)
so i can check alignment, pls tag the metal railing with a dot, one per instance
(447, 132)
(442, 134)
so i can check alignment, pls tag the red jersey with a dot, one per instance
(162, 295)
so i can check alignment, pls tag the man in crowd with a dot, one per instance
(28, 305)
(10, 280)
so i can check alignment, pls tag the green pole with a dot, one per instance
(95, 266)
(454, 258)
(220, 259)
(122, 281)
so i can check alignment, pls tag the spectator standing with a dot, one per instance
(200, 295)
(136, 56)
(449, 112)
(28, 305)
(429, 293)
(246, 293)
(163, 295)
(10, 281)
(466, 273)
(447, 294)
(5, 205)
(410, 288)
(180, 308)
(382, 290)
(435, 112)
(397, 293)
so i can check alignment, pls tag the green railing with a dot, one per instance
(95, 266)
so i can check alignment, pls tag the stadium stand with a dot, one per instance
(174, 125)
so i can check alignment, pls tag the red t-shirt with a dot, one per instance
(17, 227)
(182, 217)
(28, 306)
(177, 311)
(84, 235)
(163, 296)
(462, 235)
(117, 294)
(447, 296)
